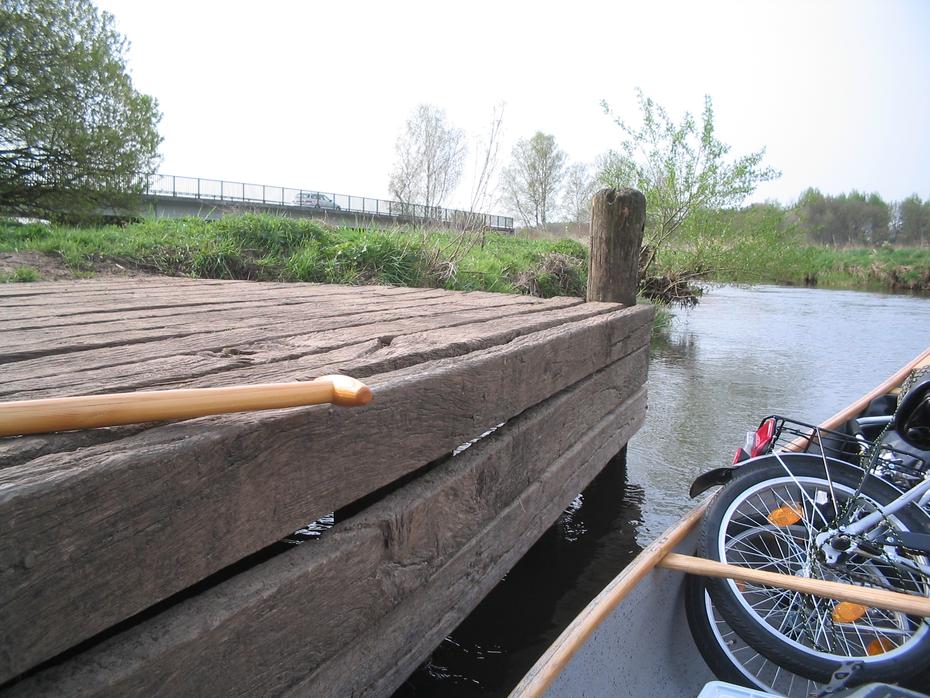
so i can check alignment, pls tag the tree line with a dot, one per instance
(862, 220)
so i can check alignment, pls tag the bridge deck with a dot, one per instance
(98, 525)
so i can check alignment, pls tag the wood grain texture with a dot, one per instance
(618, 218)
(150, 513)
(355, 612)
(330, 316)
(170, 363)
(275, 321)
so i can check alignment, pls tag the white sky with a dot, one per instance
(314, 94)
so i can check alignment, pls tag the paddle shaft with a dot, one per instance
(878, 598)
(90, 411)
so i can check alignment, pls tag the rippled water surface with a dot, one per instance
(740, 354)
(743, 353)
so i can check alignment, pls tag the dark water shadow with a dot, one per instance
(592, 541)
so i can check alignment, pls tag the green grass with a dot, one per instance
(855, 268)
(20, 275)
(276, 248)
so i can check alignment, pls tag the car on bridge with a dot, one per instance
(317, 200)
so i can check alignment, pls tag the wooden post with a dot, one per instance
(618, 217)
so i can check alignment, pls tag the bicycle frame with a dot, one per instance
(867, 523)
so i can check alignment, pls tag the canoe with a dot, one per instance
(633, 639)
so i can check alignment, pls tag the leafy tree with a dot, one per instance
(532, 180)
(681, 168)
(846, 219)
(75, 136)
(914, 221)
(430, 158)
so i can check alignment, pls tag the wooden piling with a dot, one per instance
(618, 218)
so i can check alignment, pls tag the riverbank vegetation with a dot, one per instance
(759, 244)
(276, 248)
(877, 245)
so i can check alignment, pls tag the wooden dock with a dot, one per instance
(145, 559)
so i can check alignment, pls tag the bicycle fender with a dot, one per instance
(704, 481)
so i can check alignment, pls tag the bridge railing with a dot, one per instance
(267, 195)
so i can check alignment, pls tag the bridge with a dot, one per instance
(171, 196)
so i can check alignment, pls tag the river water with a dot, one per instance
(740, 354)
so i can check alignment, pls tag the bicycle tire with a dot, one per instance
(890, 646)
(729, 657)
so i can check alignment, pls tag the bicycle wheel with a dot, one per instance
(727, 654)
(766, 518)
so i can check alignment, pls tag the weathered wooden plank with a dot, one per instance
(18, 345)
(110, 283)
(454, 335)
(223, 349)
(378, 662)
(171, 495)
(70, 312)
(28, 345)
(387, 584)
(115, 285)
(178, 288)
(225, 340)
(62, 339)
(447, 330)
(185, 317)
(50, 294)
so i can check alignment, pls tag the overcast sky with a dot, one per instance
(314, 94)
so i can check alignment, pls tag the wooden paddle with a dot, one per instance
(868, 596)
(89, 411)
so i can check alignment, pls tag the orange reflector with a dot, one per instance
(847, 612)
(879, 645)
(785, 515)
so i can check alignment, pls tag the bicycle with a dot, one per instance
(848, 507)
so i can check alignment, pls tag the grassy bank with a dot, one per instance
(272, 248)
(884, 268)
(759, 244)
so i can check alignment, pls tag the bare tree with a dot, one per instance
(579, 189)
(487, 150)
(532, 180)
(430, 155)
